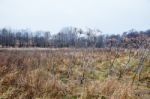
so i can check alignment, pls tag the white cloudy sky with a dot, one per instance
(110, 16)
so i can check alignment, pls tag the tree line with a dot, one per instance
(71, 37)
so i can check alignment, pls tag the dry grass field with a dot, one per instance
(74, 74)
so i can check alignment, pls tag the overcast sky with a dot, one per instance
(110, 16)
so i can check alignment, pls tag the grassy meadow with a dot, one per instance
(70, 73)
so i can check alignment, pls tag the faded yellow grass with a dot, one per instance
(66, 74)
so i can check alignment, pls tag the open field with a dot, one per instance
(38, 73)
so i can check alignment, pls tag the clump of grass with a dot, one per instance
(114, 89)
(109, 87)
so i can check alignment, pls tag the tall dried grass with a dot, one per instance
(64, 74)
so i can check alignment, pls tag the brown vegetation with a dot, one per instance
(73, 74)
